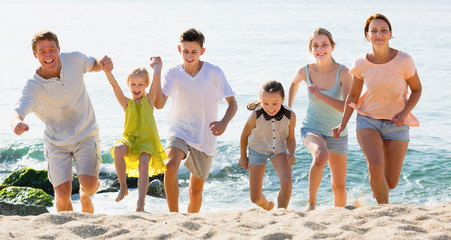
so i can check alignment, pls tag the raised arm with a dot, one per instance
(218, 127)
(416, 88)
(250, 124)
(300, 76)
(159, 98)
(17, 124)
(107, 66)
(156, 94)
(97, 67)
(291, 140)
(353, 97)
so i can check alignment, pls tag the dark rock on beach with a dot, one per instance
(26, 195)
(10, 209)
(29, 177)
(156, 189)
(131, 183)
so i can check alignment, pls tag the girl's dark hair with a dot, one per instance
(269, 87)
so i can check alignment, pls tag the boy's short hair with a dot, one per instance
(193, 35)
(44, 35)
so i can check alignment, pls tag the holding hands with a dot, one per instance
(156, 64)
(106, 63)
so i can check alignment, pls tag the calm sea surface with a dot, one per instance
(252, 41)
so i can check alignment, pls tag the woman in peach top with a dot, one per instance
(384, 116)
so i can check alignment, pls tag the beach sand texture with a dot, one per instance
(376, 222)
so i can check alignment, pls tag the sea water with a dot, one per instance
(252, 41)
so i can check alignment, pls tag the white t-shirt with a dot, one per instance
(195, 104)
(62, 103)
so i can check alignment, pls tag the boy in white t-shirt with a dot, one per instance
(195, 88)
(57, 95)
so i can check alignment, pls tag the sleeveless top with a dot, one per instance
(141, 136)
(270, 133)
(320, 115)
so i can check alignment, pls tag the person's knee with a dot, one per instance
(376, 170)
(172, 167)
(88, 184)
(143, 164)
(320, 159)
(63, 192)
(338, 188)
(195, 192)
(392, 183)
(175, 157)
(63, 195)
(286, 182)
(120, 150)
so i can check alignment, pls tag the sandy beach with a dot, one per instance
(377, 222)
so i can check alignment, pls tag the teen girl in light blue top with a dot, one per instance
(320, 115)
(328, 84)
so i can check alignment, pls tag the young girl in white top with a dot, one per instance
(269, 134)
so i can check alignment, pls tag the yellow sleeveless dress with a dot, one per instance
(141, 136)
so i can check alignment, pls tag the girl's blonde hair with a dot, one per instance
(320, 31)
(139, 71)
(269, 87)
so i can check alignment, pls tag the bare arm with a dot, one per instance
(157, 64)
(219, 127)
(250, 124)
(97, 67)
(300, 76)
(17, 124)
(353, 97)
(291, 140)
(159, 97)
(416, 88)
(107, 66)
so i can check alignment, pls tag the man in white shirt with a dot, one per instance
(57, 95)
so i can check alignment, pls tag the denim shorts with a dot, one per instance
(386, 128)
(334, 145)
(256, 158)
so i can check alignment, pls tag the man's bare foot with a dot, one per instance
(140, 206)
(309, 207)
(269, 206)
(122, 193)
(86, 204)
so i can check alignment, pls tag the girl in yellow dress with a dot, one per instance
(140, 153)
